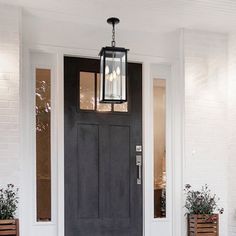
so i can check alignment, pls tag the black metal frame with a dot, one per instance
(102, 53)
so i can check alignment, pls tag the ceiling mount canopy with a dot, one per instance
(113, 69)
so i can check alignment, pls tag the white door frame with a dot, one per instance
(177, 111)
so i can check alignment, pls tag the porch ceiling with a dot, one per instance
(146, 15)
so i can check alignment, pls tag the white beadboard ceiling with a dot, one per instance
(144, 15)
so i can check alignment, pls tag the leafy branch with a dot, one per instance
(8, 202)
(201, 202)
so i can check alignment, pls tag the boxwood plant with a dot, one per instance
(201, 202)
(8, 202)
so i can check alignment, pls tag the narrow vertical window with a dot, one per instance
(159, 110)
(43, 144)
(87, 91)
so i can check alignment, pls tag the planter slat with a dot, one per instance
(8, 232)
(204, 234)
(207, 225)
(7, 222)
(9, 227)
(203, 225)
(206, 230)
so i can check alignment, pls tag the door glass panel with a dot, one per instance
(159, 108)
(87, 91)
(123, 107)
(102, 107)
(43, 144)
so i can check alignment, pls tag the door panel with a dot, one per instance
(88, 172)
(102, 197)
(119, 172)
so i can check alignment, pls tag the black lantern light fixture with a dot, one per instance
(113, 69)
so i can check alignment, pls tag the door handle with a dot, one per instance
(139, 168)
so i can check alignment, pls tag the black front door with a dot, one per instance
(102, 196)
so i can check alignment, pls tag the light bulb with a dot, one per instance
(118, 70)
(114, 74)
(111, 77)
(107, 70)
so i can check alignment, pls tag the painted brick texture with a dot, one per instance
(206, 134)
(210, 118)
(9, 94)
(232, 133)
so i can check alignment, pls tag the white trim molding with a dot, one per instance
(176, 110)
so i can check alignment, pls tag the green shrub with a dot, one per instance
(8, 202)
(201, 202)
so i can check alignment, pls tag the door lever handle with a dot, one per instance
(139, 168)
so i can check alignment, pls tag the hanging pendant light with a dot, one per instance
(113, 70)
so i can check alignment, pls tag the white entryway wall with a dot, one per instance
(232, 134)
(206, 120)
(210, 66)
(10, 41)
(206, 149)
(42, 35)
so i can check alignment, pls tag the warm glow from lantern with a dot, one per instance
(114, 74)
(111, 77)
(118, 70)
(107, 70)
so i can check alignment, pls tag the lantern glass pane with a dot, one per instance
(101, 80)
(115, 75)
(101, 107)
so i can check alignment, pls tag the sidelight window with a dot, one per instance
(43, 144)
(159, 111)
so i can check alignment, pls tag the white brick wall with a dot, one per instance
(210, 122)
(206, 147)
(9, 94)
(232, 133)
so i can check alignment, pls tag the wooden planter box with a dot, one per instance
(203, 225)
(9, 227)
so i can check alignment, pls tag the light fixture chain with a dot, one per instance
(113, 43)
